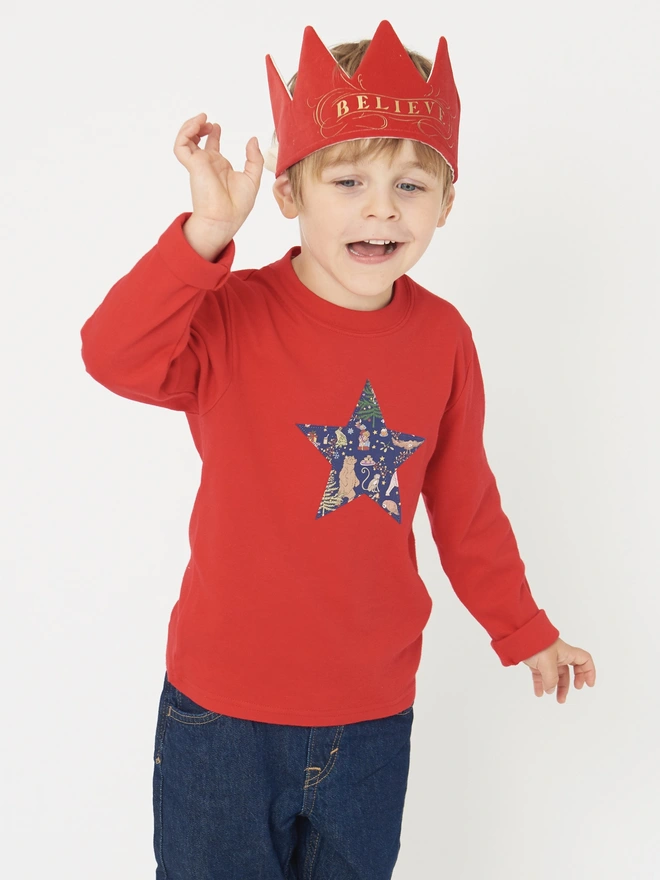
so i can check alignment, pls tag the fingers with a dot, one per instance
(549, 675)
(552, 669)
(190, 134)
(585, 673)
(537, 681)
(545, 677)
(254, 162)
(563, 684)
(582, 663)
(213, 140)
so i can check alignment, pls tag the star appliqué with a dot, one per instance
(364, 457)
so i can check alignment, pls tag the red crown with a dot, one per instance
(386, 97)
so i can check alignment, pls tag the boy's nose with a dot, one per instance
(380, 204)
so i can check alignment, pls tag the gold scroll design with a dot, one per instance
(325, 112)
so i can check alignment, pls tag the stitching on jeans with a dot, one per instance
(311, 809)
(158, 768)
(327, 770)
(160, 820)
(311, 854)
(309, 783)
(330, 766)
(201, 719)
(310, 748)
(287, 861)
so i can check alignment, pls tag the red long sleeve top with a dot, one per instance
(318, 427)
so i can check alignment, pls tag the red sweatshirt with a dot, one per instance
(318, 427)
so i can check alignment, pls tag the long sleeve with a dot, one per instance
(161, 335)
(477, 547)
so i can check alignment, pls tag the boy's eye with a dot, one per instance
(351, 180)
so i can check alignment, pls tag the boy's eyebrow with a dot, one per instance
(339, 161)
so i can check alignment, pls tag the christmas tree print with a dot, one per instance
(330, 500)
(367, 408)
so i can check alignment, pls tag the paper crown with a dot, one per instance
(386, 97)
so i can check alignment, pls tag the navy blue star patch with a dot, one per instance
(364, 456)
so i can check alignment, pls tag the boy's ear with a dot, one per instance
(446, 210)
(283, 197)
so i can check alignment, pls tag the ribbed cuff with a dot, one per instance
(534, 636)
(190, 267)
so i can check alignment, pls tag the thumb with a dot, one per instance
(254, 161)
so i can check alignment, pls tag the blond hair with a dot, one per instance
(348, 56)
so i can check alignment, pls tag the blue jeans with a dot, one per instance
(245, 800)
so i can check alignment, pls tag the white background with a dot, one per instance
(550, 254)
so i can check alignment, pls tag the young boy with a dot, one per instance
(324, 392)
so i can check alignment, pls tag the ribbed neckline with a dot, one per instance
(382, 320)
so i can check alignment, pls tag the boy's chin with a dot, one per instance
(368, 288)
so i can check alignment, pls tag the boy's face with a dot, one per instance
(353, 203)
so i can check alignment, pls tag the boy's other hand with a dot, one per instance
(550, 669)
(222, 198)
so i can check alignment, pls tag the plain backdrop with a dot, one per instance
(550, 254)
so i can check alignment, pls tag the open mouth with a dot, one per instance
(373, 250)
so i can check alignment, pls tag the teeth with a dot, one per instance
(377, 241)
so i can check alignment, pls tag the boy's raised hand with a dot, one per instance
(222, 198)
(550, 668)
